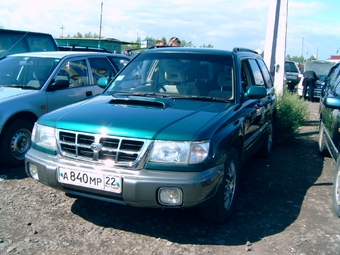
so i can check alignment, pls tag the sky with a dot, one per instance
(313, 26)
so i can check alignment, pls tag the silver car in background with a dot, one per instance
(32, 84)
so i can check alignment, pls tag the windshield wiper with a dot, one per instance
(204, 98)
(173, 96)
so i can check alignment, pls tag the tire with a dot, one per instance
(267, 146)
(336, 189)
(221, 209)
(322, 144)
(15, 142)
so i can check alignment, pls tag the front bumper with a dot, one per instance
(317, 92)
(139, 187)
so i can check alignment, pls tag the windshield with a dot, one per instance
(181, 74)
(26, 72)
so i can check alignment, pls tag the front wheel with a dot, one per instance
(15, 142)
(224, 203)
(336, 189)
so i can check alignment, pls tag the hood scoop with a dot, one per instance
(134, 102)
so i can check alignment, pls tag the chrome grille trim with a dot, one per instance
(103, 149)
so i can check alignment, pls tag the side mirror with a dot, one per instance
(58, 84)
(256, 92)
(332, 102)
(103, 82)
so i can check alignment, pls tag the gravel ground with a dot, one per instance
(284, 207)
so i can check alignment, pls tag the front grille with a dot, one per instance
(99, 148)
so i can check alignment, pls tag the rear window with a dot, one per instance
(11, 43)
(321, 68)
(291, 67)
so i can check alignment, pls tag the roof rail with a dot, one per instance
(238, 49)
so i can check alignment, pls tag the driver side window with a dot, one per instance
(76, 72)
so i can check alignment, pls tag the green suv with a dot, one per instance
(172, 130)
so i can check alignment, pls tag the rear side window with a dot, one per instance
(256, 72)
(11, 44)
(265, 72)
(119, 62)
(101, 68)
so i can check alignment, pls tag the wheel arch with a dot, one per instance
(29, 116)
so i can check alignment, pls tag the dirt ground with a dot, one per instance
(284, 207)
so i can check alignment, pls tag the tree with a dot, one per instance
(207, 46)
(78, 35)
(295, 58)
(86, 35)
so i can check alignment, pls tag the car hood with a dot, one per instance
(141, 117)
(7, 93)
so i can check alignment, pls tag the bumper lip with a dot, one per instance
(139, 187)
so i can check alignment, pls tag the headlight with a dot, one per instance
(179, 152)
(44, 137)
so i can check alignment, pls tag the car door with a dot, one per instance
(80, 87)
(261, 109)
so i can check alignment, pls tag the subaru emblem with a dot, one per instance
(96, 147)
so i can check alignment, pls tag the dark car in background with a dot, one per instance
(15, 41)
(172, 130)
(35, 83)
(321, 68)
(293, 74)
(329, 135)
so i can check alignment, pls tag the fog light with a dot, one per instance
(170, 196)
(33, 169)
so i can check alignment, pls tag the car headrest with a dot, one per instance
(174, 75)
(224, 79)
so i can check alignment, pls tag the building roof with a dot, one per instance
(92, 39)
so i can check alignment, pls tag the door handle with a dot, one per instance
(88, 93)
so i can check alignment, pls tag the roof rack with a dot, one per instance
(238, 49)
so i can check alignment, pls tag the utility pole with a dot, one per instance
(280, 55)
(62, 31)
(275, 46)
(100, 26)
(271, 35)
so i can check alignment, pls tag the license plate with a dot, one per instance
(100, 181)
(291, 77)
